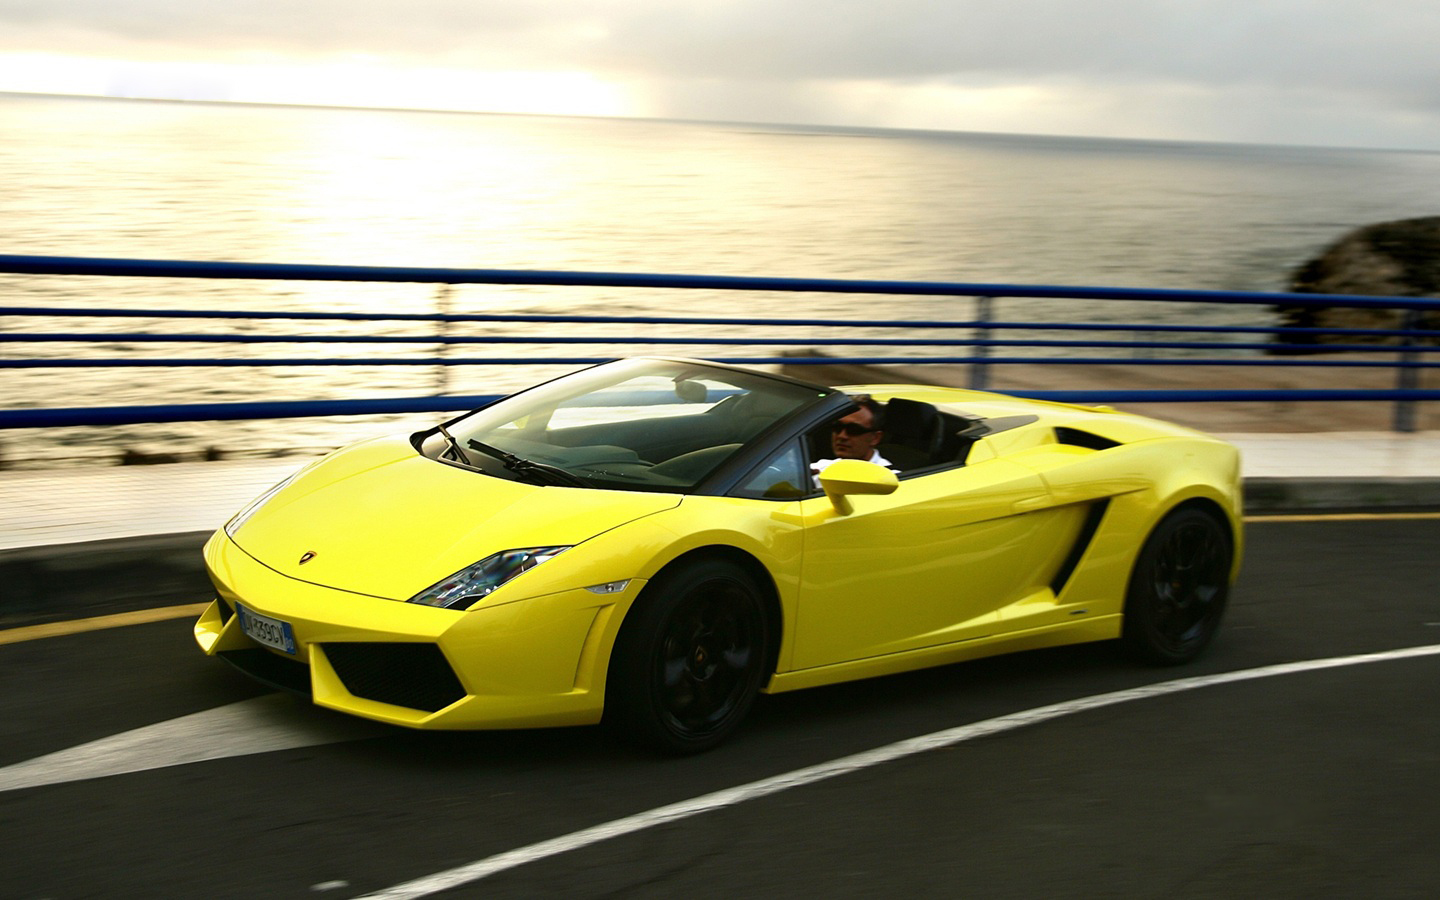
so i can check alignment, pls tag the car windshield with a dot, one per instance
(640, 424)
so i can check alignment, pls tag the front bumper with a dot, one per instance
(538, 661)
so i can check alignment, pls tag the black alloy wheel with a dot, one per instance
(1179, 588)
(689, 659)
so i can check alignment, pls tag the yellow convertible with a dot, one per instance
(651, 543)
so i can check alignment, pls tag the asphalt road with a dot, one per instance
(1299, 784)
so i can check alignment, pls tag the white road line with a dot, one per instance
(267, 723)
(675, 812)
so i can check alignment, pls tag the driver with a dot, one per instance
(856, 436)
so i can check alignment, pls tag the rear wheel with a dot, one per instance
(1178, 589)
(689, 659)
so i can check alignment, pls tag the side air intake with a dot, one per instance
(1093, 515)
(1077, 438)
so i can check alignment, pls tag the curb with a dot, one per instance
(75, 581)
(1340, 494)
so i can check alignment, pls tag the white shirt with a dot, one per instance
(822, 465)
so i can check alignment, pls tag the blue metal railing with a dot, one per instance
(1407, 340)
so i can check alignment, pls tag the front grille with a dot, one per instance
(412, 675)
(267, 668)
(226, 613)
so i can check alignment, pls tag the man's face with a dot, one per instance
(854, 446)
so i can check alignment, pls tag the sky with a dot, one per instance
(1356, 73)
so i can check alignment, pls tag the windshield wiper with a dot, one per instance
(454, 445)
(521, 466)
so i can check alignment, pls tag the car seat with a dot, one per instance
(914, 434)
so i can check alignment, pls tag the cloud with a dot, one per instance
(1309, 42)
(1342, 43)
(415, 30)
(1325, 66)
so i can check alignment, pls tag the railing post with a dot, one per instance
(979, 371)
(442, 331)
(1407, 378)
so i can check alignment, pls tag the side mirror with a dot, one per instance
(855, 476)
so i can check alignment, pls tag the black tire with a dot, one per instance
(1179, 588)
(689, 659)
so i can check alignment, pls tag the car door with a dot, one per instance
(930, 564)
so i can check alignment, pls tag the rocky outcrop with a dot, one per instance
(1391, 259)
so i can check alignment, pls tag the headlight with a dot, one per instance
(461, 590)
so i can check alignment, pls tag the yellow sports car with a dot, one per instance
(652, 542)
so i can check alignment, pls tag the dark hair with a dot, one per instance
(877, 410)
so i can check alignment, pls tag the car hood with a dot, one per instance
(380, 519)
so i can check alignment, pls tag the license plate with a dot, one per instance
(267, 631)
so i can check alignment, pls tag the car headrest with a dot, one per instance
(909, 419)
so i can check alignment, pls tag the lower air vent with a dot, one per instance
(415, 676)
(270, 669)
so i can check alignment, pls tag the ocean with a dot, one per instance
(191, 181)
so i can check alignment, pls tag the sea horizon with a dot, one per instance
(818, 127)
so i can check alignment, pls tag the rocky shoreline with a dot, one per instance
(1387, 259)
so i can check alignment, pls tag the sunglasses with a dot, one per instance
(854, 429)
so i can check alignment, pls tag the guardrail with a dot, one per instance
(1413, 346)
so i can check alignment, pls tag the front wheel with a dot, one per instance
(689, 659)
(1178, 589)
